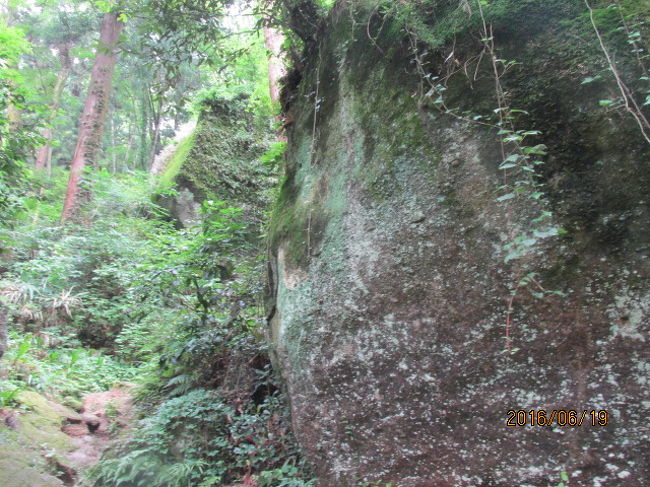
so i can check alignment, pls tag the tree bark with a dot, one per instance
(3, 329)
(273, 40)
(144, 124)
(91, 125)
(44, 155)
(156, 133)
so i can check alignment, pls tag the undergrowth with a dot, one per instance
(64, 373)
(128, 297)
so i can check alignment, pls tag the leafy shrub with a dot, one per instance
(61, 372)
(199, 439)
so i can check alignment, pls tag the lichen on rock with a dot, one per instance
(389, 286)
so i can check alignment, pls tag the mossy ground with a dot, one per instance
(29, 454)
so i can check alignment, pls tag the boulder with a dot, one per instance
(415, 309)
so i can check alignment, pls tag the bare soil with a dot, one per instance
(103, 414)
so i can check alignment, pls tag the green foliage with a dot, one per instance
(42, 362)
(288, 475)
(275, 155)
(179, 305)
(564, 480)
(126, 296)
(15, 144)
(12, 45)
(8, 396)
(198, 439)
(75, 279)
(173, 308)
(241, 73)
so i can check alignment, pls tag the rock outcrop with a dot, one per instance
(391, 284)
(32, 445)
(220, 160)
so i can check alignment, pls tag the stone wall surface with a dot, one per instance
(389, 286)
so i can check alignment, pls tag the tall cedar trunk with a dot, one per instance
(273, 40)
(44, 154)
(91, 125)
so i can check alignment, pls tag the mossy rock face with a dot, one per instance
(40, 424)
(24, 453)
(389, 285)
(220, 161)
(48, 410)
(22, 462)
(16, 469)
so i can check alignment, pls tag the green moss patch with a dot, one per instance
(176, 161)
(26, 453)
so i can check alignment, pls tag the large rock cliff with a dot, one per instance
(393, 282)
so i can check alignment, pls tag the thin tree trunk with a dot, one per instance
(91, 125)
(144, 123)
(156, 133)
(48, 166)
(273, 40)
(43, 151)
(44, 155)
(3, 328)
(113, 155)
(127, 154)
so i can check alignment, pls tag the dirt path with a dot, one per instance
(103, 414)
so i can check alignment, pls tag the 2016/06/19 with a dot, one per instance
(559, 417)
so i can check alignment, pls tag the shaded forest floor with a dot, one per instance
(106, 414)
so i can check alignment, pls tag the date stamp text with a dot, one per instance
(557, 417)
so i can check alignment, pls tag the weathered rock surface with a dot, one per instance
(219, 161)
(389, 286)
(33, 447)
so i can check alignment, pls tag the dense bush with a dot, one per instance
(198, 439)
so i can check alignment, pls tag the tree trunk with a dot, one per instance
(156, 134)
(127, 154)
(3, 329)
(113, 155)
(91, 125)
(273, 40)
(144, 124)
(44, 155)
